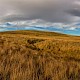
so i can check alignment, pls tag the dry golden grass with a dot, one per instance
(35, 55)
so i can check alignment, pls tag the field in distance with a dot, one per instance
(39, 55)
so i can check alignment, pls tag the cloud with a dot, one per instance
(75, 12)
(48, 10)
(41, 24)
(61, 14)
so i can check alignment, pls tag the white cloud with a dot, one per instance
(72, 28)
(77, 2)
(41, 23)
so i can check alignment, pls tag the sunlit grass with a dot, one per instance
(33, 55)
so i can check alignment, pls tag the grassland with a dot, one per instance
(35, 55)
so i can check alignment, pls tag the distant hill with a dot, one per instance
(35, 32)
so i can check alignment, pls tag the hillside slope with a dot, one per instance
(38, 55)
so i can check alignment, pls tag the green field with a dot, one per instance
(39, 55)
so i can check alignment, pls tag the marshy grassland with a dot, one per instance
(39, 55)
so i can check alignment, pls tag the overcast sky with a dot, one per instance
(62, 13)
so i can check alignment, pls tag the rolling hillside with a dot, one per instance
(39, 55)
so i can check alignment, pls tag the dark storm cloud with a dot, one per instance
(47, 10)
(74, 12)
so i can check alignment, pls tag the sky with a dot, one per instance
(50, 15)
